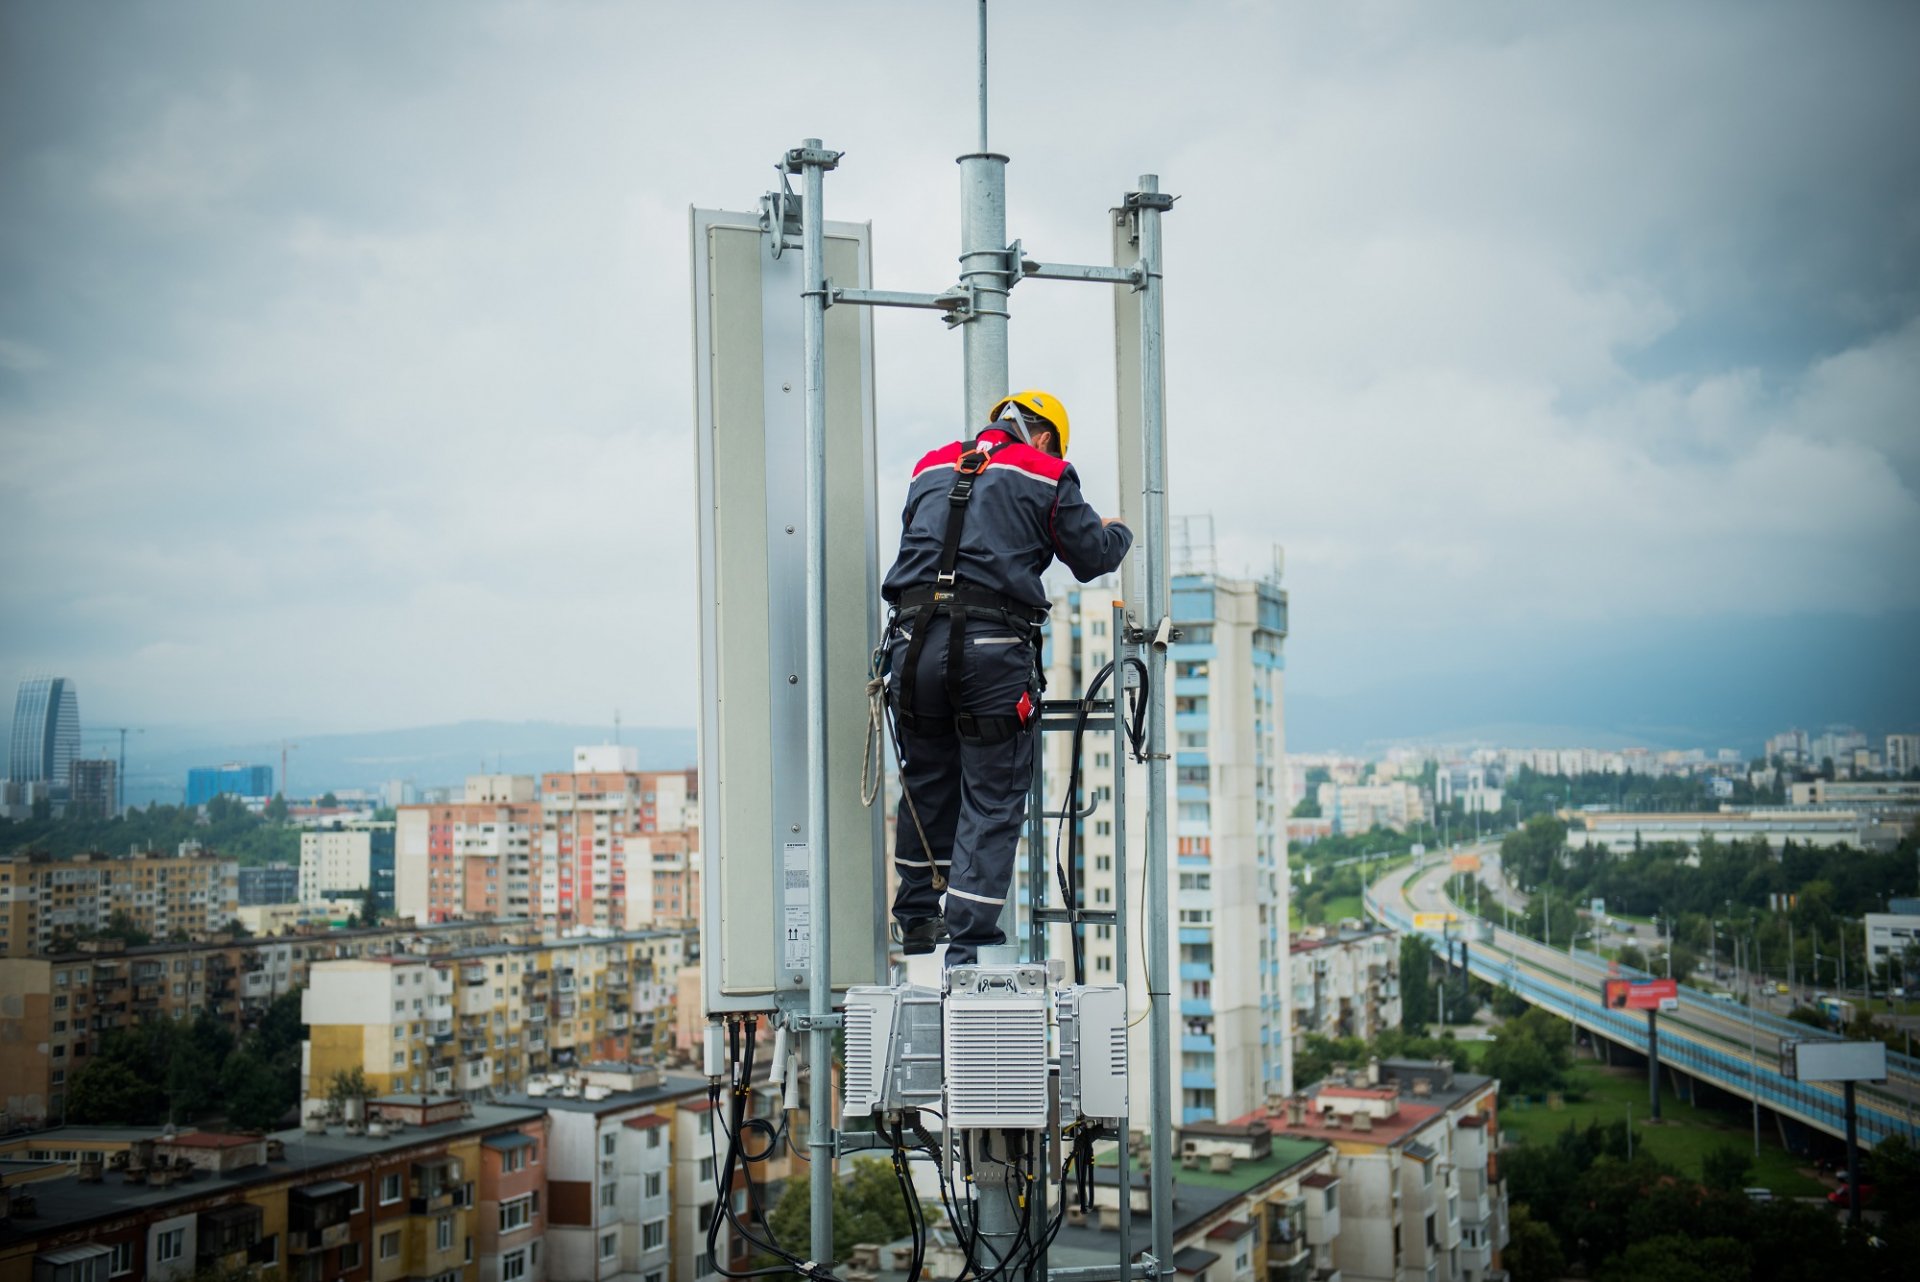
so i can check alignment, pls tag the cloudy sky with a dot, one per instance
(344, 347)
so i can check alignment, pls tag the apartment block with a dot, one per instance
(339, 865)
(1228, 863)
(1360, 808)
(604, 844)
(54, 1009)
(631, 1161)
(489, 1017)
(1419, 1187)
(1246, 1204)
(595, 864)
(1346, 983)
(417, 1189)
(46, 900)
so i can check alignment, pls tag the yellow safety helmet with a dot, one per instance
(1045, 404)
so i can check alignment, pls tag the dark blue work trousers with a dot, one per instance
(971, 796)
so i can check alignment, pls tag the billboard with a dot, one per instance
(1810, 1060)
(1433, 921)
(1642, 994)
(1466, 863)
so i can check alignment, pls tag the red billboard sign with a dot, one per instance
(1642, 994)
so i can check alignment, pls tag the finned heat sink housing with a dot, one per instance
(1093, 1051)
(996, 1047)
(892, 1049)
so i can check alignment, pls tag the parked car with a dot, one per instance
(1838, 1198)
(1758, 1195)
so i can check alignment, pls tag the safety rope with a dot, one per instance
(879, 721)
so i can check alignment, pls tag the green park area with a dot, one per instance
(1682, 1138)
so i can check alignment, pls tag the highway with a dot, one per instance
(1727, 1045)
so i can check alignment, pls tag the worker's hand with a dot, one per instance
(1113, 520)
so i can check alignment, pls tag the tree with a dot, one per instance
(276, 811)
(1725, 1168)
(108, 1092)
(328, 801)
(1531, 1053)
(256, 1098)
(1416, 992)
(1675, 1257)
(867, 1207)
(1533, 1253)
(370, 907)
(1305, 808)
(348, 1084)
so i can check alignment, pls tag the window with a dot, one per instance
(389, 1189)
(606, 1144)
(653, 1184)
(443, 1233)
(390, 1245)
(656, 1275)
(122, 1261)
(609, 1245)
(706, 1168)
(653, 1138)
(169, 1245)
(349, 1255)
(609, 1193)
(359, 1198)
(516, 1214)
(513, 1266)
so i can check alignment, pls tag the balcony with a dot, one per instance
(313, 1241)
(537, 1013)
(473, 973)
(615, 979)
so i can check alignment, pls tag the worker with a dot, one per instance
(984, 519)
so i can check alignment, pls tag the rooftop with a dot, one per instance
(673, 1087)
(69, 1202)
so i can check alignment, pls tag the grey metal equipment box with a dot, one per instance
(756, 937)
(1093, 1051)
(892, 1050)
(996, 1047)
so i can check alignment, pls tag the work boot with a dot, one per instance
(918, 938)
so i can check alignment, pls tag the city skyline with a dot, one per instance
(327, 339)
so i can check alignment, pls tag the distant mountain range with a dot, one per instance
(1691, 684)
(1696, 684)
(427, 756)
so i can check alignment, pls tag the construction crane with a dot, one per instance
(120, 779)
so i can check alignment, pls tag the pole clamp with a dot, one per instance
(799, 158)
(804, 1022)
(1157, 200)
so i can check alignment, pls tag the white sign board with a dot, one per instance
(1822, 1061)
(757, 919)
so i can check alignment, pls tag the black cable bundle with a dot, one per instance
(1068, 874)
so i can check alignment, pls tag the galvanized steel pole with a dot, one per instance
(983, 274)
(813, 165)
(1155, 611)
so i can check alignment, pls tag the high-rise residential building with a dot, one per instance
(44, 900)
(1360, 808)
(471, 858)
(339, 865)
(248, 783)
(1228, 861)
(1903, 754)
(592, 855)
(93, 788)
(605, 844)
(490, 1016)
(1346, 982)
(46, 733)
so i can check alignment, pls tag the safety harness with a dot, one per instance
(948, 595)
